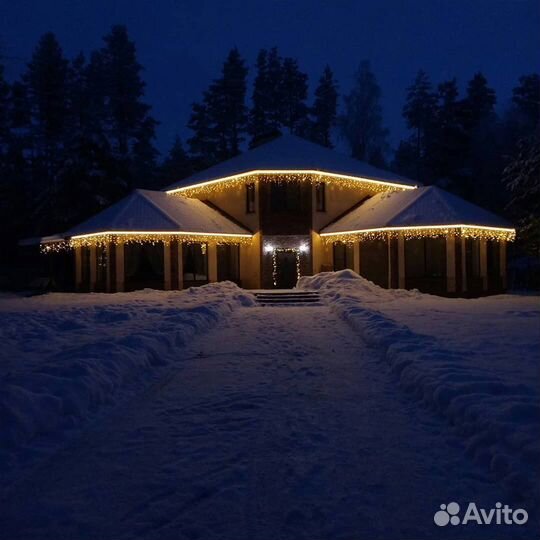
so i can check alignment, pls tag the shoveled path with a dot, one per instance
(278, 424)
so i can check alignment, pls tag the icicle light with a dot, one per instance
(464, 231)
(129, 237)
(314, 177)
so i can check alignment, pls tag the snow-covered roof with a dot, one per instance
(287, 153)
(155, 211)
(417, 207)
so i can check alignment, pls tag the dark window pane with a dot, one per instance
(195, 262)
(343, 256)
(320, 196)
(228, 261)
(250, 198)
(374, 261)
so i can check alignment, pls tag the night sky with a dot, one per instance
(183, 44)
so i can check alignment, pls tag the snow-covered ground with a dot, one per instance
(198, 414)
(65, 356)
(475, 361)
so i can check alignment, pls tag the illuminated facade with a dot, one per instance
(285, 209)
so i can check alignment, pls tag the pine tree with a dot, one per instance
(447, 144)
(324, 109)
(46, 81)
(259, 122)
(294, 88)
(274, 81)
(419, 111)
(128, 124)
(479, 102)
(220, 121)
(522, 179)
(233, 116)
(176, 165)
(362, 123)
(526, 104)
(202, 147)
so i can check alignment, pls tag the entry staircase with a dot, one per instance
(288, 298)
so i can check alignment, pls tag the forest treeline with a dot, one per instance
(77, 134)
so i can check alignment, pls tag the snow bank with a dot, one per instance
(473, 361)
(63, 356)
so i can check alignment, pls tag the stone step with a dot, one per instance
(296, 298)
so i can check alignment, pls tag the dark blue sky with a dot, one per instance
(183, 44)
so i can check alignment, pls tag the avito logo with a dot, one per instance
(500, 515)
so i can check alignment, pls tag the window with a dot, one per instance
(374, 261)
(228, 262)
(425, 264)
(425, 257)
(285, 197)
(472, 254)
(143, 266)
(343, 256)
(250, 198)
(195, 263)
(320, 197)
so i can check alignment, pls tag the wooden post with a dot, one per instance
(109, 267)
(180, 267)
(356, 257)
(463, 265)
(401, 261)
(93, 268)
(483, 264)
(120, 273)
(212, 263)
(450, 263)
(502, 263)
(78, 268)
(166, 266)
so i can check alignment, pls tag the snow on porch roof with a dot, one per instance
(422, 207)
(291, 153)
(155, 211)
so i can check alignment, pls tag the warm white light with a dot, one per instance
(304, 248)
(269, 248)
(278, 172)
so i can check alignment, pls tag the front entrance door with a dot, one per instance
(286, 273)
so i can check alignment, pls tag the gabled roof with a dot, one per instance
(287, 153)
(155, 211)
(414, 208)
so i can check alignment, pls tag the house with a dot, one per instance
(285, 209)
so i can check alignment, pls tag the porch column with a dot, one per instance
(483, 264)
(502, 263)
(450, 263)
(356, 257)
(166, 266)
(463, 265)
(389, 255)
(401, 261)
(93, 268)
(78, 268)
(111, 266)
(180, 267)
(212, 263)
(120, 274)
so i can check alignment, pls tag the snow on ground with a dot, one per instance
(475, 361)
(64, 356)
(280, 422)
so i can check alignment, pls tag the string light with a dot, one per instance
(464, 231)
(296, 251)
(312, 176)
(139, 237)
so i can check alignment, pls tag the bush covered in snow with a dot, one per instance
(473, 361)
